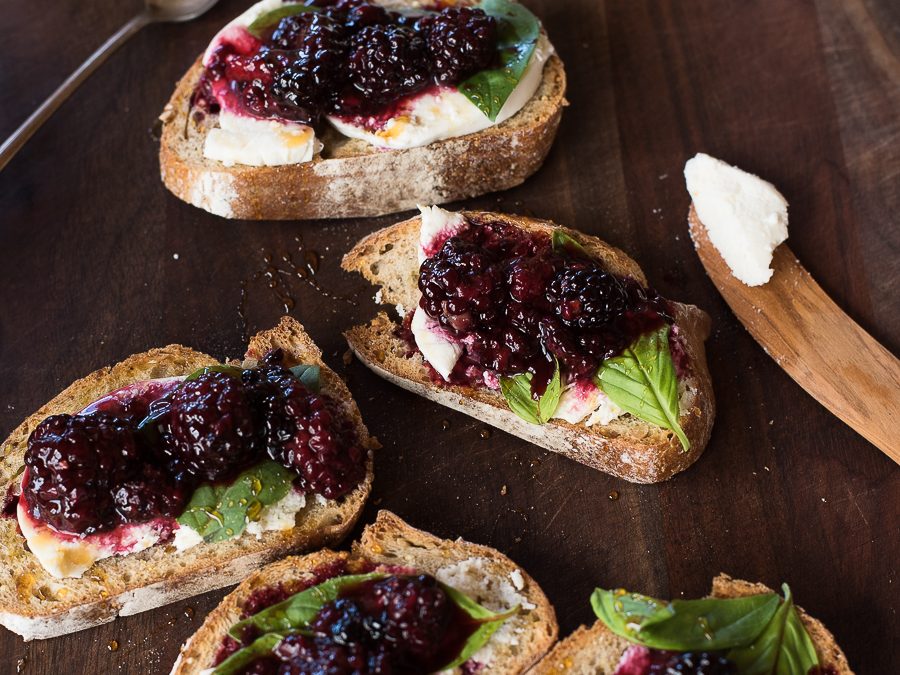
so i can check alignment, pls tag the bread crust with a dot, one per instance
(389, 541)
(596, 650)
(627, 448)
(352, 178)
(35, 605)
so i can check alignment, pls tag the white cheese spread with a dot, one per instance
(446, 113)
(583, 401)
(436, 345)
(70, 556)
(746, 217)
(438, 225)
(241, 139)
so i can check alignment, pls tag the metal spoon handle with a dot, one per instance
(19, 137)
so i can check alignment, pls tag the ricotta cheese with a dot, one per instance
(282, 515)
(445, 112)
(436, 345)
(584, 401)
(745, 216)
(438, 225)
(241, 139)
(71, 556)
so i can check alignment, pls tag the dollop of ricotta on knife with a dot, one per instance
(745, 217)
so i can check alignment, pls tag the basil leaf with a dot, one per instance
(269, 19)
(220, 512)
(308, 376)
(517, 392)
(488, 623)
(561, 241)
(685, 625)
(783, 648)
(233, 371)
(298, 611)
(518, 31)
(642, 381)
(259, 648)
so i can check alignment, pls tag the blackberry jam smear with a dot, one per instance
(518, 304)
(399, 625)
(348, 58)
(137, 454)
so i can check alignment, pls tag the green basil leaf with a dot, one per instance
(233, 371)
(550, 400)
(488, 623)
(517, 392)
(300, 609)
(783, 648)
(518, 31)
(562, 241)
(309, 376)
(269, 19)
(642, 381)
(259, 648)
(220, 512)
(685, 625)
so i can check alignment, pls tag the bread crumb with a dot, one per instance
(503, 491)
(175, 256)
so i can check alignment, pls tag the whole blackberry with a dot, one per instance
(73, 463)
(345, 622)
(386, 62)
(587, 297)
(702, 663)
(315, 66)
(302, 655)
(304, 431)
(461, 41)
(461, 286)
(321, 445)
(149, 495)
(416, 610)
(209, 432)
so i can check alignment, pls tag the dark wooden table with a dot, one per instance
(98, 261)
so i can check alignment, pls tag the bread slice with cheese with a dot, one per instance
(36, 605)
(350, 177)
(596, 650)
(626, 447)
(482, 573)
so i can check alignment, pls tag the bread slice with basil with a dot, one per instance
(628, 447)
(350, 177)
(597, 650)
(391, 546)
(34, 604)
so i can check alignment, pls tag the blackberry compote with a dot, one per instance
(138, 453)
(693, 663)
(520, 305)
(349, 58)
(399, 625)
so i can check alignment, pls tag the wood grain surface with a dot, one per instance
(97, 261)
(813, 340)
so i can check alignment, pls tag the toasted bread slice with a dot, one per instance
(628, 447)
(596, 650)
(390, 541)
(351, 178)
(35, 605)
